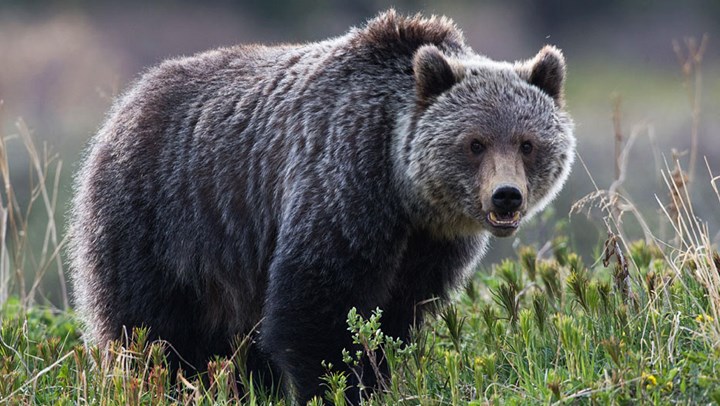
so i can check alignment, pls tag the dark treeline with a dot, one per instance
(561, 15)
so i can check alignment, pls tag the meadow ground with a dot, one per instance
(544, 328)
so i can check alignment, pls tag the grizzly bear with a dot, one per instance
(268, 190)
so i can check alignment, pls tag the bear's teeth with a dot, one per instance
(501, 220)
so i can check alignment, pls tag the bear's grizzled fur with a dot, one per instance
(274, 188)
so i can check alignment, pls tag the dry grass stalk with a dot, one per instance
(611, 200)
(692, 242)
(694, 249)
(617, 128)
(679, 179)
(621, 274)
(691, 62)
(41, 165)
(17, 252)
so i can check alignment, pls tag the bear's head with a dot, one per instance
(489, 143)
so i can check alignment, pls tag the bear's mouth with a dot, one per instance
(504, 220)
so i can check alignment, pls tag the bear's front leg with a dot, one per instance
(304, 321)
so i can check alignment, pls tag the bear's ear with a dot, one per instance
(546, 71)
(433, 74)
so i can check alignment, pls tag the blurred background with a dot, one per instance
(63, 62)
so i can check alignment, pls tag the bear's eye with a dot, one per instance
(477, 147)
(526, 148)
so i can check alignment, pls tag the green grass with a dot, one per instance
(528, 331)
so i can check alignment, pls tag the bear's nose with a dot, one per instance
(507, 199)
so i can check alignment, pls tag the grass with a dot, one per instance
(538, 329)
(638, 323)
